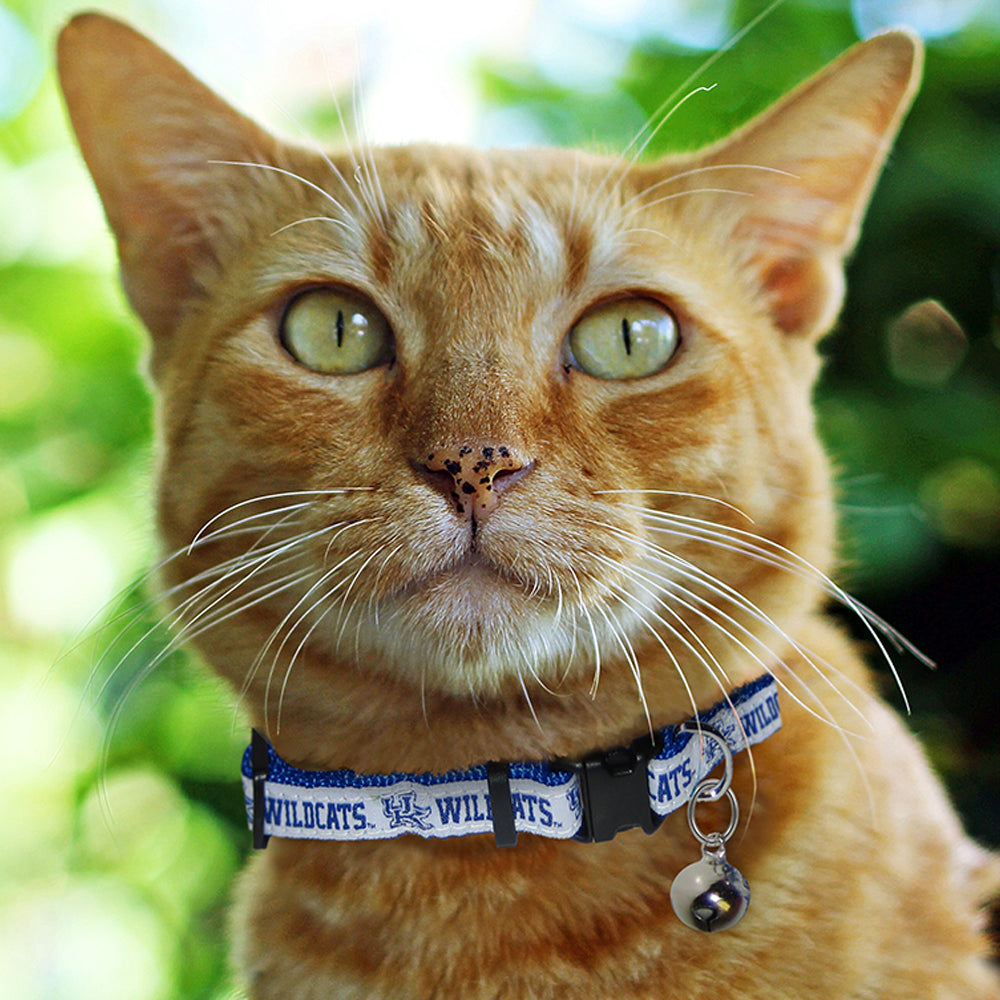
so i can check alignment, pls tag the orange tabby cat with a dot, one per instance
(641, 526)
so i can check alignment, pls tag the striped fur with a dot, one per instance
(665, 538)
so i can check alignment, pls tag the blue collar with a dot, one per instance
(590, 800)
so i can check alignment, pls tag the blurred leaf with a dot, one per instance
(78, 420)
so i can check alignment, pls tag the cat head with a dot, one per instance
(484, 421)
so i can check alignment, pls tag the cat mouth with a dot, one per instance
(465, 627)
(470, 595)
(473, 572)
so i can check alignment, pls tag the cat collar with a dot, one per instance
(591, 799)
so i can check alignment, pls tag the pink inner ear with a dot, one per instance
(799, 294)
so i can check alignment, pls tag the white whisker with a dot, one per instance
(622, 168)
(527, 698)
(684, 494)
(285, 173)
(582, 605)
(339, 223)
(707, 659)
(350, 587)
(177, 618)
(296, 610)
(334, 491)
(187, 634)
(373, 609)
(640, 197)
(672, 101)
(684, 194)
(624, 643)
(771, 553)
(713, 585)
(322, 154)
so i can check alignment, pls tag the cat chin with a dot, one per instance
(471, 631)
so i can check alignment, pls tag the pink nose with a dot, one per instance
(473, 476)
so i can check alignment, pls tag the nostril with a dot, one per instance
(442, 481)
(508, 477)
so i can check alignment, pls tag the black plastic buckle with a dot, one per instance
(260, 763)
(614, 788)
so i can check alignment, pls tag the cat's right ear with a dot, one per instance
(802, 174)
(149, 132)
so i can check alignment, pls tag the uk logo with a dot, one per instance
(401, 810)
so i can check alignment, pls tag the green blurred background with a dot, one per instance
(118, 853)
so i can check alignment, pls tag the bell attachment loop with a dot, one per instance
(711, 894)
(713, 840)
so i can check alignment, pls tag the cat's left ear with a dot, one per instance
(150, 134)
(822, 148)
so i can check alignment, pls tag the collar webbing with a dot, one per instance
(591, 799)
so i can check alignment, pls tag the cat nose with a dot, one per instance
(473, 476)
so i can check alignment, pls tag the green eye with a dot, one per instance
(624, 339)
(336, 333)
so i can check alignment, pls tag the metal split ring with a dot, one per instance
(715, 839)
(712, 789)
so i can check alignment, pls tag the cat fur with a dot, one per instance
(566, 621)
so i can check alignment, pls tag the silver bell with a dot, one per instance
(710, 895)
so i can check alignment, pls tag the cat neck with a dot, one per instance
(370, 722)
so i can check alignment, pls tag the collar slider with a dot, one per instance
(501, 803)
(260, 762)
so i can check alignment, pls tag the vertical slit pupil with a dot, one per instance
(627, 334)
(340, 328)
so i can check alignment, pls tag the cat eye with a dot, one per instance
(336, 332)
(624, 339)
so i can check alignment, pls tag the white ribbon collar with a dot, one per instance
(590, 800)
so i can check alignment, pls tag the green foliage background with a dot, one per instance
(122, 825)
